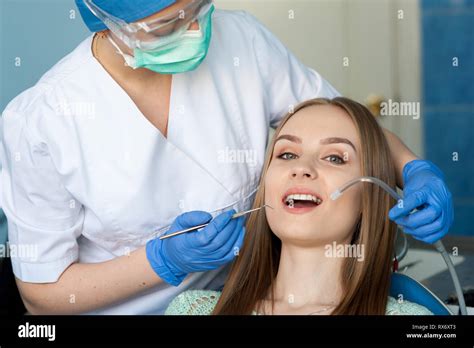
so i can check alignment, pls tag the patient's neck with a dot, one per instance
(307, 277)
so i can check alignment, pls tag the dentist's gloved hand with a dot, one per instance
(424, 189)
(207, 249)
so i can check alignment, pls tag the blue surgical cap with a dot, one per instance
(127, 10)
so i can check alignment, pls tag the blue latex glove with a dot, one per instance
(425, 190)
(207, 249)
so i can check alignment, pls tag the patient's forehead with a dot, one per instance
(319, 121)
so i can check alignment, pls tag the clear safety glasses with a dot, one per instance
(155, 32)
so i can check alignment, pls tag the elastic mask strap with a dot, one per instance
(115, 45)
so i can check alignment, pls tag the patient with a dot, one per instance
(309, 254)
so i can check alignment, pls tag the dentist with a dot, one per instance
(125, 135)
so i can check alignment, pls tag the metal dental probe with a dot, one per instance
(236, 215)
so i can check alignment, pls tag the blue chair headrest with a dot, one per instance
(416, 292)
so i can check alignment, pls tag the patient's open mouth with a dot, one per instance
(300, 202)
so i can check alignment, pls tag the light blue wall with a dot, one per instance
(40, 32)
(448, 99)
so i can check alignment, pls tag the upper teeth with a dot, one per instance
(302, 197)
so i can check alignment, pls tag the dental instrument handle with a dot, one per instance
(183, 231)
(438, 245)
(236, 215)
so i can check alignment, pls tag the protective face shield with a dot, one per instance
(164, 45)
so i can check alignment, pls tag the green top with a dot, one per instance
(202, 302)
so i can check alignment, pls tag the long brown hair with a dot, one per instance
(365, 284)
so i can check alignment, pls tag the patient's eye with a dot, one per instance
(287, 156)
(335, 159)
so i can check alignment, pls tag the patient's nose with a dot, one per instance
(303, 171)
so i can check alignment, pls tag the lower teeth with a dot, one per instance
(291, 203)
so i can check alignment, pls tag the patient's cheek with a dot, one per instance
(345, 213)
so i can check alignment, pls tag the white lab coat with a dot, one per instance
(87, 177)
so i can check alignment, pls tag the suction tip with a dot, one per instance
(335, 195)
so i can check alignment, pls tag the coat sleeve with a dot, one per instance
(44, 219)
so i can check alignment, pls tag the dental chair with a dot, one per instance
(10, 300)
(415, 292)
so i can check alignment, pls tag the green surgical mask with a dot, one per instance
(183, 54)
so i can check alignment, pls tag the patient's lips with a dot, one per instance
(299, 200)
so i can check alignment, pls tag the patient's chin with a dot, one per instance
(304, 236)
(301, 236)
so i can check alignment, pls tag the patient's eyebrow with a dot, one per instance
(290, 137)
(337, 140)
(327, 141)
